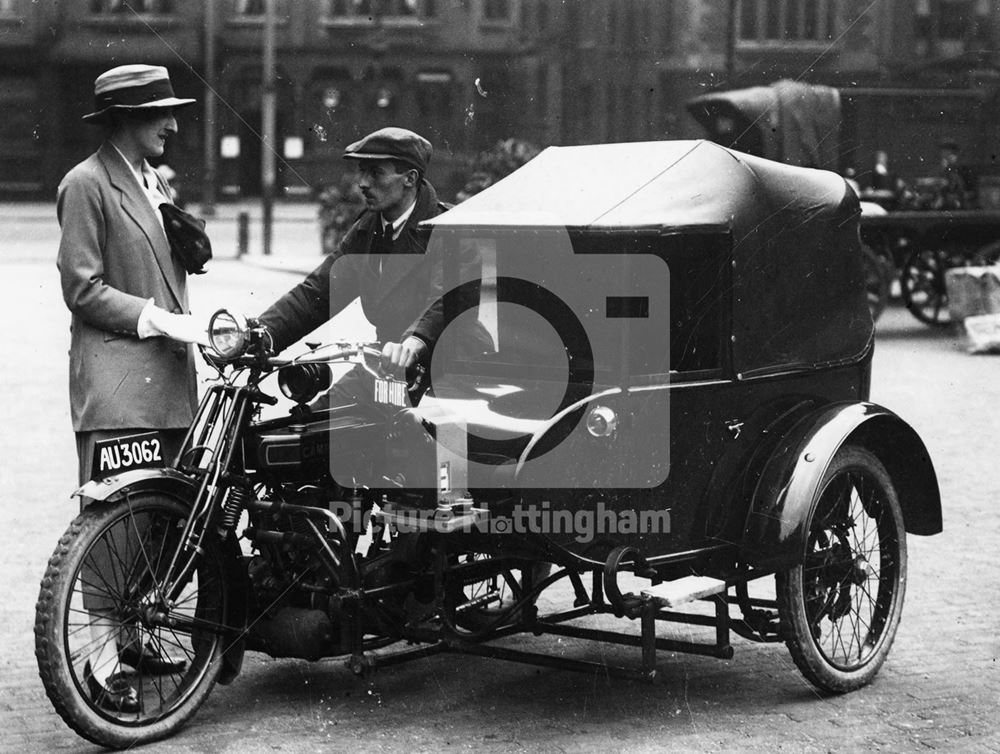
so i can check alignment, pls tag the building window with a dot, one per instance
(333, 99)
(139, 7)
(612, 113)
(802, 21)
(947, 27)
(649, 127)
(339, 10)
(496, 10)
(250, 7)
(541, 91)
(332, 109)
(349, 8)
(434, 95)
(401, 8)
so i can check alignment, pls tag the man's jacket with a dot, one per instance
(113, 257)
(402, 299)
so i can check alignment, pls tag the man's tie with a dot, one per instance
(382, 244)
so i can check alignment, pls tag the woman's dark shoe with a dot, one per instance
(115, 694)
(148, 659)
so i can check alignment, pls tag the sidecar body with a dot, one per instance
(678, 389)
(726, 353)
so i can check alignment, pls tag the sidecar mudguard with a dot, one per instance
(183, 489)
(776, 528)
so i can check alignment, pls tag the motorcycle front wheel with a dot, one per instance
(101, 613)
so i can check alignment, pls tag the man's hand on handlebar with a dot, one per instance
(398, 357)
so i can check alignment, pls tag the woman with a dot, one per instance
(128, 383)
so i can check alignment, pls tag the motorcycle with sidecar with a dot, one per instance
(671, 425)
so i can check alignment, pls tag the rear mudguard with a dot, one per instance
(183, 489)
(774, 536)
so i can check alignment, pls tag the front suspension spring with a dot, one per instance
(237, 498)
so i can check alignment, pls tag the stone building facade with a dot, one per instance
(469, 72)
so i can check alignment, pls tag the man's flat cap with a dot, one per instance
(392, 144)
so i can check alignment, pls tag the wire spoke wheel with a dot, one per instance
(841, 606)
(126, 658)
(878, 276)
(923, 283)
(484, 598)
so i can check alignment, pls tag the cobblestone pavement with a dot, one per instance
(939, 690)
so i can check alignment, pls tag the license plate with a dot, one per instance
(117, 454)
(391, 392)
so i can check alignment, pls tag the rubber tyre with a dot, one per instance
(480, 604)
(841, 607)
(922, 283)
(878, 277)
(64, 636)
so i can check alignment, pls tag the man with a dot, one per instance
(380, 260)
(954, 189)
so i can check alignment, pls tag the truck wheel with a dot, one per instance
(922, 283)
(100, 607)
(877, 281)
(840, 607)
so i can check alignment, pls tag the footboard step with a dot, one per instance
(442, 521)
(679, 591)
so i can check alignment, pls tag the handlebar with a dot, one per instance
(244, 343)
(322, 355)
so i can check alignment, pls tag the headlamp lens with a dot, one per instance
(227, 334)
(303, 382)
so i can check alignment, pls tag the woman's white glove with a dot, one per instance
(183, 327)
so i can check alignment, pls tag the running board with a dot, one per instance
(686, 589)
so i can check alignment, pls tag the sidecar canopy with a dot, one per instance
(787, 237)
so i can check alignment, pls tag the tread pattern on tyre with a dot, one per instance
(52, 664)
(804, 652)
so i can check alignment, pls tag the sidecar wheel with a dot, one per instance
(99, 588)
(841, 607)
(485, 604)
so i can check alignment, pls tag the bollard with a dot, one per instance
(242, 233)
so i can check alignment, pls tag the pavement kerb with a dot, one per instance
(294, 264)
(287, 211)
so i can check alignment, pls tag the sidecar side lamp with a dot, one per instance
(602, 421)
(227, 334)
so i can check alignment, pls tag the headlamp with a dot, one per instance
(303, 382)
(228, 334)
